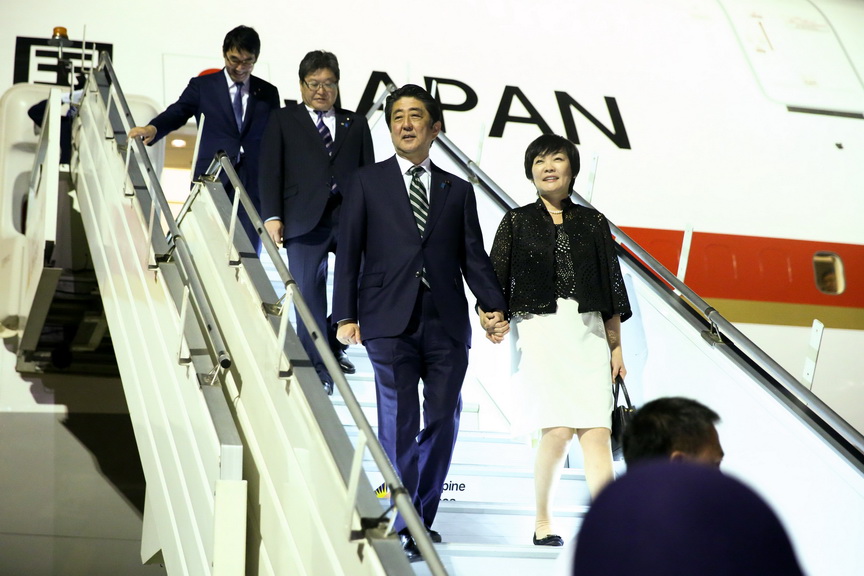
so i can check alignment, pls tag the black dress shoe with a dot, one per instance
(328, 387)
(344, 363)
(410, 547)
(550, 540)
(434, 535)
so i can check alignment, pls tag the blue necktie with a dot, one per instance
(325, 132)
(328, 143)
(238, 105)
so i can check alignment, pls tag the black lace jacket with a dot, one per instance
(523, 256)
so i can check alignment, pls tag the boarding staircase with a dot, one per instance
(251, 469)
(487, 516)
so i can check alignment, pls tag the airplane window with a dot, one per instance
(828, 273)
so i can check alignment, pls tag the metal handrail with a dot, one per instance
(477, 176)
(399, 494)
(377, 104)
(741, 342)
(186, 269)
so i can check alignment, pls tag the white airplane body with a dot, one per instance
(725, 136)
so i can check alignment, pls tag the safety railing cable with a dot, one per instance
(727, 330)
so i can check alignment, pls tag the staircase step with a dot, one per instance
(500, 523)
(486, 516)
(498, 559)
(480, 447)
(469, 419)
(495, 484)
(362, 382)
(500, 484)
(358, 357)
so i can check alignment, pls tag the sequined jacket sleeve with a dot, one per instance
(500, 254)
(523, 256)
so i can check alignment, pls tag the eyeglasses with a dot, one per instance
(314, 85)
(234, 61)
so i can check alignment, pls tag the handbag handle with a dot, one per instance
(619, 385)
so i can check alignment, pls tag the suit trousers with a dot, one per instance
(308, 264)
(424, 351)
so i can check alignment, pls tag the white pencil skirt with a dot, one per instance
(561, 371)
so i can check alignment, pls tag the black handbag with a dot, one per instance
(621, 417)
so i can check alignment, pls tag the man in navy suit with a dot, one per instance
(399, 274)
(308, 152)
(235, 106)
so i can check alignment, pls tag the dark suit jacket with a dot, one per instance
(208, 95)
(296, 169)
(378, 230)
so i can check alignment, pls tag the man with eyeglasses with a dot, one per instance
(307, 154)
(235, 105)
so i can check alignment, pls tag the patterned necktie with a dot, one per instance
(325, 132)
(417, 195)
(238, 105)
(419, 205)
(328, 143)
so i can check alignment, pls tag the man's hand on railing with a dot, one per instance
(348, 332)
(147, 133)
(274, 229)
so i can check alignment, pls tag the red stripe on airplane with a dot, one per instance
(756, 268)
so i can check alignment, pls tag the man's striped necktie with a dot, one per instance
(419, 205)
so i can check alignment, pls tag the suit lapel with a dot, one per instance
(394, 183)
(225, 104)
(308, 125)
(254, 94)
(343, 124)
(440, 188)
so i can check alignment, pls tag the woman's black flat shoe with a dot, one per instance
(550, 540)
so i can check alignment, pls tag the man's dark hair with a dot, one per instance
(550, 144)
(667, 425)
(317, 60)
(413, 91)
(243, 39)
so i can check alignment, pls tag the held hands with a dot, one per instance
(147, 133)
(495, 325)
(348, 333)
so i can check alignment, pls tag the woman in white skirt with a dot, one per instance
(556, 263)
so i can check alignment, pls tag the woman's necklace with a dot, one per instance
(555, 211)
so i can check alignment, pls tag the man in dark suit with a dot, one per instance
(308, 152)
(235, 106)
(402, 257)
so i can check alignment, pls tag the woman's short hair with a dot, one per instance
(549, 144)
